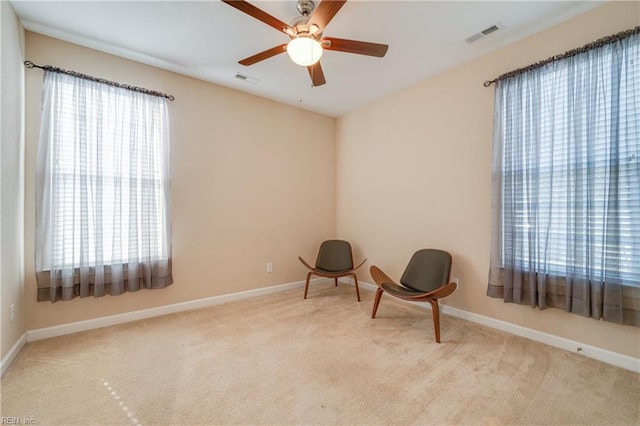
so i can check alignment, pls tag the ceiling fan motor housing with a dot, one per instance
(299, 24)
(305, 7)
(299, 27)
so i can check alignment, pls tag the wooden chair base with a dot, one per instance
(329, 274)
(435, 310)
(335, 278)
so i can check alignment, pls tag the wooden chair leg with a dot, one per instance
(436, 317)
(376, 302)
(336, 281)
(357, 290)
(306, 286)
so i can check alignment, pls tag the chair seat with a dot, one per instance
(400, 291)
(326, 271)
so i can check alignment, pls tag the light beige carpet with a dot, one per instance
(280, 360)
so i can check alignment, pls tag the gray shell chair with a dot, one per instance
(426, 279)
(334, 260)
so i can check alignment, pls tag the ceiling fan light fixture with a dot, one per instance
(304, 50)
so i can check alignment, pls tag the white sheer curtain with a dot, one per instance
(566, 185)
(103, 202)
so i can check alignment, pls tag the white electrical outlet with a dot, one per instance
(269, 267)
(12, 312)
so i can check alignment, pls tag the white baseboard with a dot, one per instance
(594, 352)
(12, 354)
(609, 357)
(606, 356)
(74, 327)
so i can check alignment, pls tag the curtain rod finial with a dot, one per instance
(488, 83)
(29, 64)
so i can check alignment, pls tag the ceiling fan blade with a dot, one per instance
(263, 55)
(325, 12)
(259, 14)
(354, 46)
(316, 74)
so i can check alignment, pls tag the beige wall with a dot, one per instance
(410, 171)
(414, 171)
(253, 181)
(11, 176)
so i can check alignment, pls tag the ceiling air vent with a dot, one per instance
(489, 30)
(484, 33)
(247, 79)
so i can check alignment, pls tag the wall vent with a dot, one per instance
(490, 30)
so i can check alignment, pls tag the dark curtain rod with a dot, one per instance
(30, 64)
(593, 45)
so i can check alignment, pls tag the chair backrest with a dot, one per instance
(334, 256)
(427, 270)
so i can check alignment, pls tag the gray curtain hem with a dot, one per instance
(154, 275)
(624, 316)
(55, 294)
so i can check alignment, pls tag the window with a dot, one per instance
(103, 222)
(567, 184)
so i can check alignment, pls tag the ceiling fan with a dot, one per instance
(307, 43)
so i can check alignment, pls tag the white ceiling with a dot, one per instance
(205, 39)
